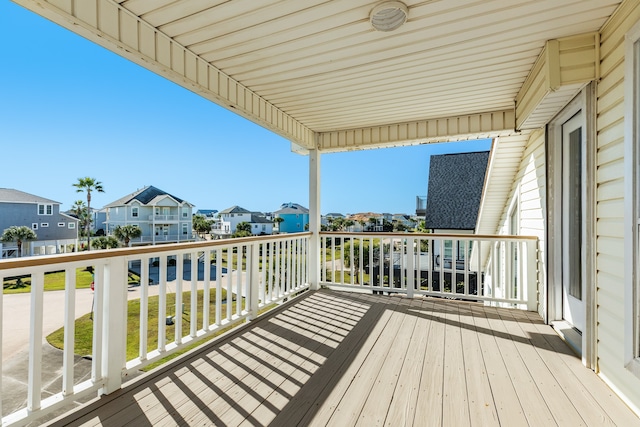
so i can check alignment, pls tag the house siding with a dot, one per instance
(529, 186)
(610, 204)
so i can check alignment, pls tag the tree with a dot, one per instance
(346, 255)
(79, 209)
(201, 225)
(277, 221)
(18, 234)
(125, 233)
(243, 229)
(88, 185)
(105, 242)
(362, 223)
(399, 226)
(373, 221)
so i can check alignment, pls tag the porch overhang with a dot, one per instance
(320, 76)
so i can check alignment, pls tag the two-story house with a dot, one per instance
(295, 218)
(162, 217)
(56, 231)
(228, 220)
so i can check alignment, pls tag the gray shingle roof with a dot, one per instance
(455, 190)
(144, 196)
(9, 195)
(291, 208)
(259, 219)
(234, 209)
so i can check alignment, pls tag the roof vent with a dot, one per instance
(389, 15)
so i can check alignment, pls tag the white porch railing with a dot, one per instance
(165, 238)
(494, 269)
(159, 217)
(229, 281)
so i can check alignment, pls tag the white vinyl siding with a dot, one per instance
(530, 183)
(610, 204)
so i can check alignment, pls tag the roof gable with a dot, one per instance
(291, 208)
(9, 195)
(455, 190)
(234, 209)
(145, 196)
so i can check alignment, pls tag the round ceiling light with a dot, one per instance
(389, 15)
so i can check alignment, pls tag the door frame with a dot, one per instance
(584, 102)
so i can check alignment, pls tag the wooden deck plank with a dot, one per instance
(296, 373)
(383, 390)
(533, 403)
(348, 410)
(482, 409)
(429, 409)
(556, 399)
(610, 404)
(405, 398)
(335, 358)
(508, 407)
(455, 403)
(323, 387)
(585, 404)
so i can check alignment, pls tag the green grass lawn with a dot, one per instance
(54, 281)
(84, 326)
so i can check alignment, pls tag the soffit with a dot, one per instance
(324, 69)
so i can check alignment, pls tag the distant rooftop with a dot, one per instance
(234, 209)
(455, 190)
(146, 196)
(291, 208)
(9, 195)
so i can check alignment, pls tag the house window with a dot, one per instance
(185, 213)
(185, 229)
(61, 224)
(45, 209)
(34, 226)
(134, 212)
(44, 224)
(632, 201)
(72, 225)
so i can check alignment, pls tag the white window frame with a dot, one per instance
(72, 225)
(47, 209)
(62, 224)
(632, 201)
(185, 229)
(34, 226)
(134, 212)
(44, 225)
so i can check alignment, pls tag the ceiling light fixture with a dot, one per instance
(389, 15)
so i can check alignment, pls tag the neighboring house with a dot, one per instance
(162, 217)
(98, 219)
(326, 219)
(404, 219)
(295, 216)
(453, 200)
(261, 224)
(56, 231)
(228, 219)
(207, 213)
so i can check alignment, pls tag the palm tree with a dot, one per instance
(18, 235)
(79, 209)
(88, 184)
(125, 233)
(105, 242)
(278, 220)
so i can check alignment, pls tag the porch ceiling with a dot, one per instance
(317, 73)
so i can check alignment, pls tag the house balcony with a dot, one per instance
(163, 238)
(165, 218)
(389, 335)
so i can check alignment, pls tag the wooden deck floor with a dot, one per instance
(343, 359)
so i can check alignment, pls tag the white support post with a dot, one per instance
(115, 324)
(69, 331)
(410, 266)
(253, 282)
(314, 219)
(35, 343)
(531, 274)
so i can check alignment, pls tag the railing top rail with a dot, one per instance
(139, 250)
(431, 235)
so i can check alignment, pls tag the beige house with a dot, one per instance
(554, 83)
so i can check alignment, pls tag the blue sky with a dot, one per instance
(69, 109)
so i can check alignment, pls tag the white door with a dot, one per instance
(573, 286)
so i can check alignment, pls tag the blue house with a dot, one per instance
(295, 216)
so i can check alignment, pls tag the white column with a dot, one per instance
(114, 306)
(314, 219)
